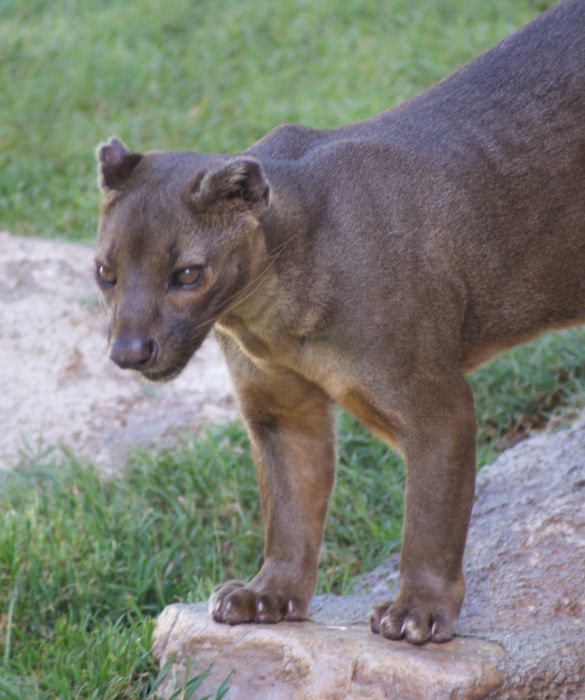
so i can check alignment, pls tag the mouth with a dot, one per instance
(166, 374)
(162, 375)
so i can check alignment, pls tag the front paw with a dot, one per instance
(233, 602)
(417, 621)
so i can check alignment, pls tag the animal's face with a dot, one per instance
(179, 240)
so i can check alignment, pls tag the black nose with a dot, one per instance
(133, 352)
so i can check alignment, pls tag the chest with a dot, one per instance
(319, 360)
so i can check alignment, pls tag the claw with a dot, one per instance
(292, 610)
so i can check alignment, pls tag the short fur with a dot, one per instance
(369, 266)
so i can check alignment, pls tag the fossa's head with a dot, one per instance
(179, 239)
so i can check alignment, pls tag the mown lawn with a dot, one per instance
(212, 75)
(85, 565)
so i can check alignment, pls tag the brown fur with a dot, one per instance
(371, 266)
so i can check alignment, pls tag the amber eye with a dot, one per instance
(187, 277)
(106, 275)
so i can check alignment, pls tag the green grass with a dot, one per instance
(212, 75)
(531, 387)
(86, 564)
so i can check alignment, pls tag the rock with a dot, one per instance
(522, 629)
(526, 565)
(293, 661)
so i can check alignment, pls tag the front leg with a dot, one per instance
(438, 442)
(291, 432)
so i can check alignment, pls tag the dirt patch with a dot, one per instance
(57, 385)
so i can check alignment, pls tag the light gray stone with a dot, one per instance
(313, 660)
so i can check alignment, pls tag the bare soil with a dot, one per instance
(57, 385)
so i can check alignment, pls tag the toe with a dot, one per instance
(375, 617)
(240, 606)
(391, 624)
(270, 608)
(218, 599)
(296, 611)
(391, 620)
(442, 629)
(416, 627)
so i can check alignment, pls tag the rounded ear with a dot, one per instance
(239, 185)
(115, 164)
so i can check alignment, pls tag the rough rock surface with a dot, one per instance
(321, 661)
(58, 384)
(527, 555)
(522, 629)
